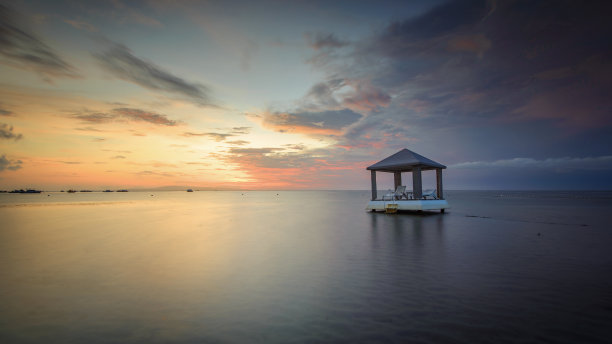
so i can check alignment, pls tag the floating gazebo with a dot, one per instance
(402, 199)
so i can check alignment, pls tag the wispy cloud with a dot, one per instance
(11, 165)
(235, 131)
(5, 112)
(134, 15)
(6, 132)
(215, 136)
(95, 117)
(238, 142)
(564, 163)
(130, 114)
(120, 62)
(23, 49)
(321, 40)
(311, 123)
(145, 116)
(81, 25)
(154, 173)
(241, 130)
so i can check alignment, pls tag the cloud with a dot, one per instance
(144, 116)
(7, 113)
(215, 136)
(290, 166)
(22, 49)
(477, 44)
(235, 131)
(564, 163)
(366, 98)
(297, 147)
(89, 129)
(6, 132)
(119, 61)
(133, 15)
(130, 114)
(117, 151)
(468, 72)
(154, 173)
(238, 142)
(241, 130)
(11, 165)
(81, 25)
(339, 93)
(313, 123)
(96, 117)
(119, 157)
(320, 40)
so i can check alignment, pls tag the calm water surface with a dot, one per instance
(282, 267)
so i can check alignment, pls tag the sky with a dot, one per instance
(304, 94)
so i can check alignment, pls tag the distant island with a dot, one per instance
(27, 191)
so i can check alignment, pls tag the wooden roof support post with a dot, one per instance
(440, 193)
(397, 178)
(417, 186)
(374, 192)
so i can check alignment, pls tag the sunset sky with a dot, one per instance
(303, 94)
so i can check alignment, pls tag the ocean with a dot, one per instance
(304, 266)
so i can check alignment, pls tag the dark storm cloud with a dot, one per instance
(21, 48)
(130, 114)
(528, 78)
(513, 60)
(119, 61)
(11, 165)
(6, 132)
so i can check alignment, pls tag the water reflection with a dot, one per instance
(407, 229)
(298, 266)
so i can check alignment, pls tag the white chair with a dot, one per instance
(430, 193)
(400, 192)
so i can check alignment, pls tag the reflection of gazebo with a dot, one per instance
(408, 161)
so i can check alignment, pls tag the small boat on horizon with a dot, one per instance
(189, 190)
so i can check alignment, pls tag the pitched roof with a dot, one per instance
(405, 160)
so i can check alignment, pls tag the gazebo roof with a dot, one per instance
(404, 161)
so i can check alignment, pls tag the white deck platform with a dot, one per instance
(413, 205)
